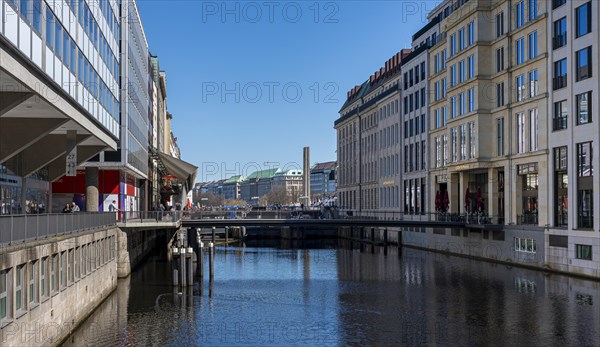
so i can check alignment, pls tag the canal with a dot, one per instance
(340, 293)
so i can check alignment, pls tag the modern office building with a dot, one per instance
(323, 180)
(232, 187)
(368, 143)
(59, 87)
(257, 185)
(291, 181)
(571, 205)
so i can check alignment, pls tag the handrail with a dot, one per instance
(23, 228)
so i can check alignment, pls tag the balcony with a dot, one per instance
(559, 41)
(559, 82)
(527, 219)
(559, 123)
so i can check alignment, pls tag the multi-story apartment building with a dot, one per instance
(368, 143)
(415, 119)
(571, 208)
(59, 76)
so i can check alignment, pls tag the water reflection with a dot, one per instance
(346, 294)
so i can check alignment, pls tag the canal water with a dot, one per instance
(345, 294)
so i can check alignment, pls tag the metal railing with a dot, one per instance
(468, 218)
(151, 216)
(527, 219)
(24, 228)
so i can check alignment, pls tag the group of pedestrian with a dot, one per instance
(71, 208)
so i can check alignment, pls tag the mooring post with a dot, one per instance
(182, 275)
(201, 259)
(213, 234)
(373, 235)
(385, 237)
(190, 264)
(175, 253)
(211, 260)
(226, 235)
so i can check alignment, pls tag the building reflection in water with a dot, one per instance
(353, 294)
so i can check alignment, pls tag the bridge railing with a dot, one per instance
(152, 216)
(23, 228)
(469, 218)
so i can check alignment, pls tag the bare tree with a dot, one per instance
(278, 196)
(235, 202)
(210, 199)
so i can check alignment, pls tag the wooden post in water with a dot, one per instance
(182, 275)
(211, 260)
(201, 259)
(189, 266)
(373, 235)
(226, 236)
(174, 259)
(213, 234)
(385, 237)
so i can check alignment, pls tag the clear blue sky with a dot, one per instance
(234, 78)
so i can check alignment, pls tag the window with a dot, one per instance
(443, 84)
(532, 9)
(520, 14)
(423, 94)
(445, 149)
(533, 83)
(520, 132)
(560, 33)
(532, 41)
(50, 29)
(471, 66)
(19, 302)
(472, 140)
(520, 51)
(43, 279)
(462, 43)
(583, 19)
(558, 3)
(70, 268)
(500, 59)
(437, 118)
(417, 75)
(533, 130)
(584, 108)
(452, 45)
(54, 273)
(452, 75)
(559, 120)
(500, 94)
(471, 95)
(58, 38)
(454, 145)
(463, 142)
(423, 126)
(500, 136)
(471, 33)
(423, 70)
(462, 75)
(583, 252)
(561, 186)
(37, 16)
(462, 104)
(63, 269)
(584, 159)
(3, 294)
(443, 59)
(560, 74)
(525, 245)
(520, 83)
(453, 107)
(32, 271)
(500, 24)
(584, 64)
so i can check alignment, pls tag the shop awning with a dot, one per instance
(182, 170)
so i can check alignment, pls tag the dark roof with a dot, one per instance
(424, 29)
(330, 165)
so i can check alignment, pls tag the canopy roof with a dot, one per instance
(182, 170)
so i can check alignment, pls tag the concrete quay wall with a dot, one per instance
(47, 288)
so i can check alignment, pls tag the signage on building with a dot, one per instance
(72, 164)
(441, 178)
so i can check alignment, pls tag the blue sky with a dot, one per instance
(251, 83)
